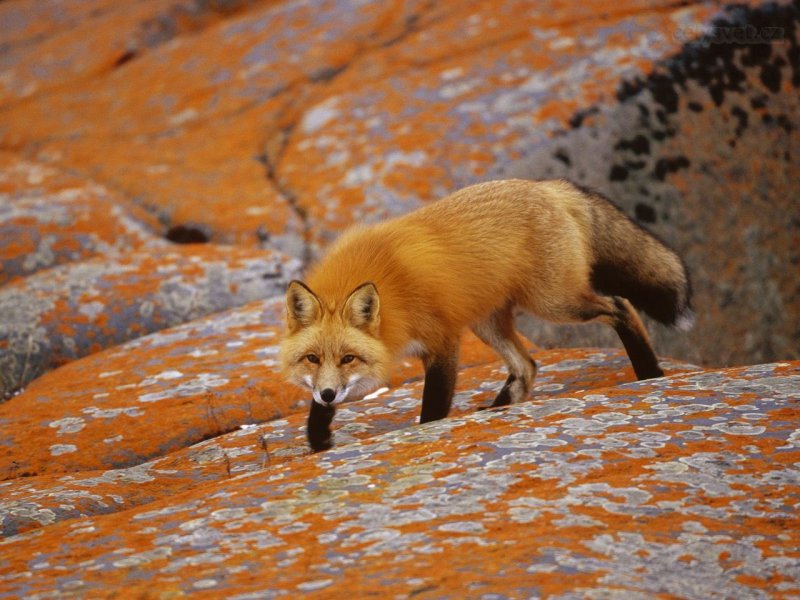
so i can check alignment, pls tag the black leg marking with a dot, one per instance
(318, 428)
(622, 316)
(631, 331)
(644, 361)
(437, 394)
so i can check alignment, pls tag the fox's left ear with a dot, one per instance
(362, 308)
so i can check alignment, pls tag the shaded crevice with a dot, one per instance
(124, 58)
(270, 163)
(188, 234)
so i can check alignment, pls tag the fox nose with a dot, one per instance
(328, 395)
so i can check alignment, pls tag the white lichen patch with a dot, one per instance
(68, 425)
(110, 413)
(316, 118)
(59, 449)
(91, 309)
(311, 586)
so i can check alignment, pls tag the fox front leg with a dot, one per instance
(440, 383)
(318, 428)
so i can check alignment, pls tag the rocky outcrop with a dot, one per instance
(167, 166)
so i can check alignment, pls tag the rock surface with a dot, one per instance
(635, 489)
(69, 311)
(37, 488)
(166, 166)
(48, 217)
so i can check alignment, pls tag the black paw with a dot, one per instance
(503, 397)
(495, 407)
(649, 373)
(320, 445)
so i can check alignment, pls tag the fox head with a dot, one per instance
(333, 350)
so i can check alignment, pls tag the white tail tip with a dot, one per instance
(685, 320)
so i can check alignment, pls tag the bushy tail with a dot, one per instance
(632, 263)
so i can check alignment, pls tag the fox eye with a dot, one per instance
(347, 358)
(312, 358)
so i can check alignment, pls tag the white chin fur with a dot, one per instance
(355, 390)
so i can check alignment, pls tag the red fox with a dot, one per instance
(412, 284)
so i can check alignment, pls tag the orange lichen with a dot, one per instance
(178, 461)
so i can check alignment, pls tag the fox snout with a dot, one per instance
(329, 396)
(332, 387)
(333, 380)
(330, 381)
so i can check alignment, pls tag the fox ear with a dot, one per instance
(362, 308)
(302, 305)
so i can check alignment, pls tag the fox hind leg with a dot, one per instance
(620, 314)
(497, 332)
